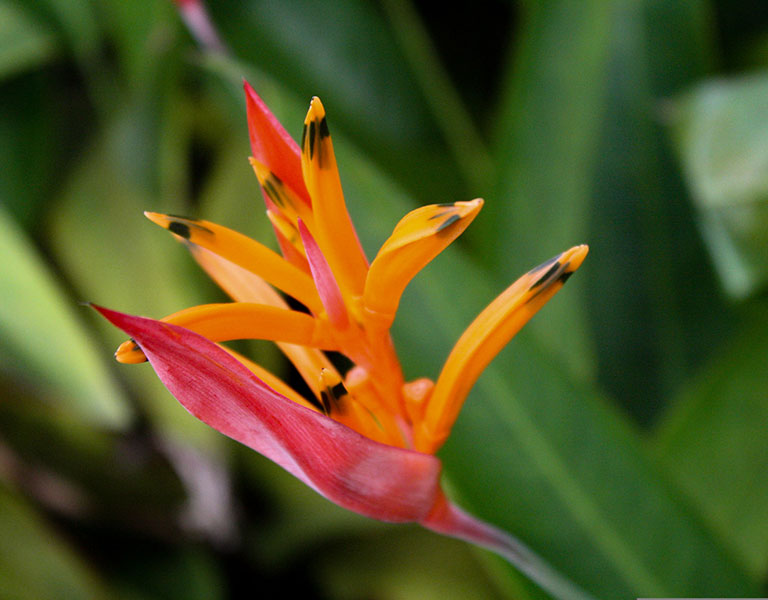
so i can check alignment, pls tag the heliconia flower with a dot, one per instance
(365, 438)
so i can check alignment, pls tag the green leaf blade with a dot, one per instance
(35, 562)
(45, 342)
(712, 442)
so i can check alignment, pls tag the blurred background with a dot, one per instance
(622, 436)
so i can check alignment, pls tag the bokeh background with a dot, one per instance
(622, 436)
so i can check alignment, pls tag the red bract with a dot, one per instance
(272, 145)
(373, 479)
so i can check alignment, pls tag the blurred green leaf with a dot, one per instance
(346, 54)
(110, 479)
(450, 114)
(77, 26)
(651, 330)
(721, 131)
(43, 341)
(280, 531)
(32, 165)
(24, 43)
(547, 135)
(713, 442)
(403, 563)
(153, 572)
(115, 257)
(143, 32)
(34, 562)
(77, 23)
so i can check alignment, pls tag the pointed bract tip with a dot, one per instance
(100, 309)
(262, 171)
(469, 207)
(250, 92)
(117, 319)
(316, 110)
(129, 353)
(159, 219)
(574, 257)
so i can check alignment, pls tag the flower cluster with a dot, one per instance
(364, 438)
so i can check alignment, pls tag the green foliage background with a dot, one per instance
(622, 435)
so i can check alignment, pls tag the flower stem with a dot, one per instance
(448, 519)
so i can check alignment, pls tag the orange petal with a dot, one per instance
(247, 253)
(416, 394)
(239, 283)
(483, 340)
(245, 286)
(283, 197)
(344, 407)
(244, 320)
(385, 425)
(418, 238)
(333, 227)
(289, 240)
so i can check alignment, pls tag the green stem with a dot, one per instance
(448, 519)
